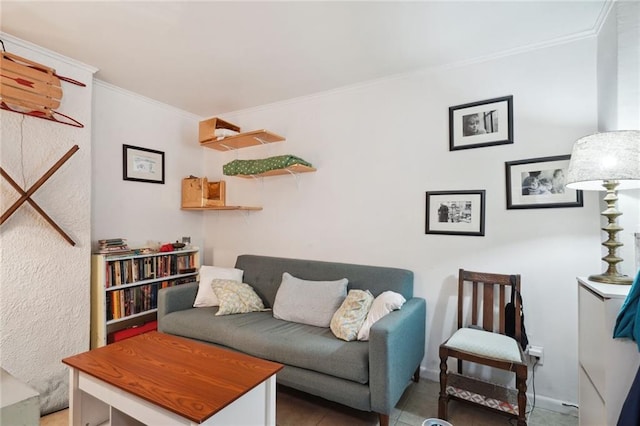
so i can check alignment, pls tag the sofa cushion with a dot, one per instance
(351, 314)
(382, 305)
(206, 297)
(235, 297)
(308, 302)
(260, 335)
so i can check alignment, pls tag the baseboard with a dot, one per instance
(542, 401)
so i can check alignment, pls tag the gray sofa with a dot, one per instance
(369, 376)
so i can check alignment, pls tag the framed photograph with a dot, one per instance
(540, 183)
(142, 164)
(483, 123)
(455, 212)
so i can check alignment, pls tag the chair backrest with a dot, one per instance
(484, 287)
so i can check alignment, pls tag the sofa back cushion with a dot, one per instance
(264, 274)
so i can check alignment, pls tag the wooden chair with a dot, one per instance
(481, 339)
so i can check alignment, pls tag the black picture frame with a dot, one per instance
(455, 212)
(142, 164)
(481, 124)
(538, 183)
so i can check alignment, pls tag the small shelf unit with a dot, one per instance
(243, 140)
(291, 170)
(223, 208)
(124, 287)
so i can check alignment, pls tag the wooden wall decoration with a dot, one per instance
(26, 195)
(29, 88)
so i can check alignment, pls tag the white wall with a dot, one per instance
(619, 109)
(378, 147)
(44, 291)
(140, 211)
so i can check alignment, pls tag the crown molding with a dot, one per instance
(46, 52)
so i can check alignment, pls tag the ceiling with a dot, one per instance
(212, 57)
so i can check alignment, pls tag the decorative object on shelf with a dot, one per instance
(262, 167)
(455, 212)
(113, 246)
(199, 192)
(540, 183)
(26, 195)
(142, 164)
(219, 134)
(608, 161)
(483, 123)
(29, 88)
(216, 129)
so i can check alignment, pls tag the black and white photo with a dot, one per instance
(483, 123)
(540, 183)
(455, 212)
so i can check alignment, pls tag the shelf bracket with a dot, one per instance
(262, 141)
(295, 175)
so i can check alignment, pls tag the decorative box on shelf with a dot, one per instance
(207, 130)
(199, 192)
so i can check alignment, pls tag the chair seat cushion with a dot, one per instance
(485, 343)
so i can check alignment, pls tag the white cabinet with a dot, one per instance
(607, 365)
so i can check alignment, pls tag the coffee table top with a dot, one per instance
(191, 379)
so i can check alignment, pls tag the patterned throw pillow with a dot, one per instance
(349, 317)
(236, 297)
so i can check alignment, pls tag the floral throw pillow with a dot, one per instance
(236, 297)
(349, 317)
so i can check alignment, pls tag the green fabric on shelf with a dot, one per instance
(255, 167)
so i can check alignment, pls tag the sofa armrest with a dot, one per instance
(396, 349)
(176, 298)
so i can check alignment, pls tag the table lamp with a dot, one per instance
(608, 161)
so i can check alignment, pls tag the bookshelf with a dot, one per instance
(124, 288)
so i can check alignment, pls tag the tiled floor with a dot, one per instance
(419, 402)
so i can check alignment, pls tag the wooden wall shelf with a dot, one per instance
(291, 170)
(223, 208)
(243, 140)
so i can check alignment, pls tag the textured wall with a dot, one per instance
(44, 281)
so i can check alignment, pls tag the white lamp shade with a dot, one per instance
(605, 156)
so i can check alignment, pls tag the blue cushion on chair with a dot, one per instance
(485, 343)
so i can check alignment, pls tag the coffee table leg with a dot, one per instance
(270, 402)
(75, 398)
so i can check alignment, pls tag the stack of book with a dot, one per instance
(113, 246)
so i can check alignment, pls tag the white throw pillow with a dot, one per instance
(351, 314)
(383, 304)
(206, 297)
(308, 302)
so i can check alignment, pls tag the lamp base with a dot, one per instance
(612, 279)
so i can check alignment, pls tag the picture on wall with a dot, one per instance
(483, 123)
(455, 212)
(142, 164)
(540, 183)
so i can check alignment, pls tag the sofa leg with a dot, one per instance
(384, 419)
(416, 375)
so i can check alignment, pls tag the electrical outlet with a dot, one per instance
(536, 352)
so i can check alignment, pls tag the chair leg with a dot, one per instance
(416, 375)
(384, 419)
(443, 400)
(521, 385)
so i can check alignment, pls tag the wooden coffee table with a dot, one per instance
(159, 379)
